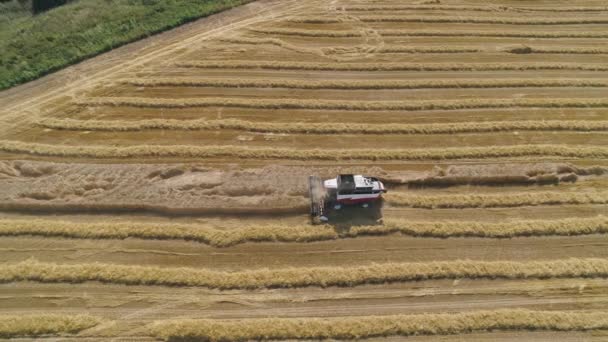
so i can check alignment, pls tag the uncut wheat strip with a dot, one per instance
(471, 8)
(363, 84)
(324, 128)
(190, 151)
(458, 19)
(360, 327)
(329, 66)
(299, 233)
(388, 49)
(36, 325)
(496, 200)
(428, 33)
(317, 104)
(32, 270)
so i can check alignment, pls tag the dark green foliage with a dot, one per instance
(32, 46)
(39, 6)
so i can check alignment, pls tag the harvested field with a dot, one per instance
(159, 191)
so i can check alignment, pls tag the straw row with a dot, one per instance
(32, 270)
(508, 199)
(13, 326)
(356, 328)
(364, 84)
(324, 128)
(329, 66)
(557, 50)
(457, 19)
(473, 8)
(190, 151)
(430, 33)
(354, 105)
(217, 237)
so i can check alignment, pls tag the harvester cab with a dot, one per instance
(346, 198)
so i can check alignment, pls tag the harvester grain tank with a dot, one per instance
(355, 193)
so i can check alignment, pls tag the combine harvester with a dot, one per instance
(346, 198)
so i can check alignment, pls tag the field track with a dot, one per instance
(159, 192)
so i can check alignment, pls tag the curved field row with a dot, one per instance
(428, 33)
(324, 128)
(189, 151)
(365, 84)
(316, 104)
(376, 326)
(458, 19)
(12, 326)
(275, 65)
(496, 200)
(32, 270)
(300, 233)
(489, 8)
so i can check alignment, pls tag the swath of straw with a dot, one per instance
(324, 128)
(328, 66)
(386, 49)
(215, 237)
(496, 200)
(358, 327)
(190, 151)
(32, 270)
(475, 8)
(429, 33)
(459, 19)
(38, 325)
(352, 105)
(364, 84)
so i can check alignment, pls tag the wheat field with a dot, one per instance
(159, 191)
